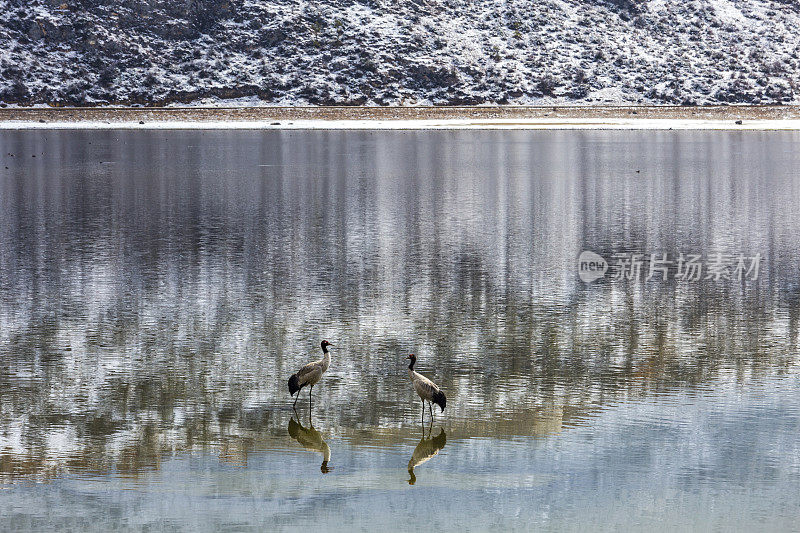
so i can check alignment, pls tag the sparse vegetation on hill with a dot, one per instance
(90, 52)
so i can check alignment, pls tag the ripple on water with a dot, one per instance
(152, 310)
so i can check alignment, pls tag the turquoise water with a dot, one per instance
(157, 289)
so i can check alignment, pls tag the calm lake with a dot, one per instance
(158, 288)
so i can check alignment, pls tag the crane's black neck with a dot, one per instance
(324, 349)
(411, 364)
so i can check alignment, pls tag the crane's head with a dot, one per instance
(413, 360)
(325, 345)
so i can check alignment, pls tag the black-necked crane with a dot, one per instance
(311, 439)
(310, 374)
(426, 389)
(425, 450)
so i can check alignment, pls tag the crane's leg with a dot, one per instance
(430, 409)
(309, 398)
(294, 405)
(423, 413)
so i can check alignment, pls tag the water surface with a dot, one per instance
(157, 289)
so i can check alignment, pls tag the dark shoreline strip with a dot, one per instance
(200, 114)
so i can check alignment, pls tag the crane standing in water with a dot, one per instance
(426, 389)
(310, 374)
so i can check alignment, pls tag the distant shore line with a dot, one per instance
(480, 117)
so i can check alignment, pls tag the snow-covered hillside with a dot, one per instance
(399, 52)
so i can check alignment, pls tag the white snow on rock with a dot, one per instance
(350, 52)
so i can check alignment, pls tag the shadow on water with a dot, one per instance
(311, 439)
(425, 450)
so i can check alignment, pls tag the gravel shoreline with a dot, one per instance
(507, 115)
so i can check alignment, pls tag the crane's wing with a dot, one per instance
(424, 386)
(307, 369)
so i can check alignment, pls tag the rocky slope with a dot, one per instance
(153, 52)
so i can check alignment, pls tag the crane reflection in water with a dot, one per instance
(425, 450)
(311, 439)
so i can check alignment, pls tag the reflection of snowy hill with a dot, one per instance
(161, 302)
(406, 53)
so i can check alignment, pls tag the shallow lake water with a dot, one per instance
(158, 288)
